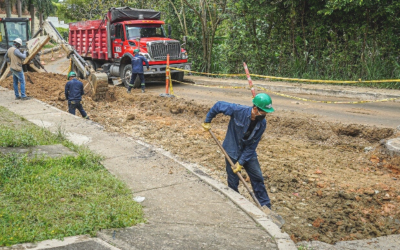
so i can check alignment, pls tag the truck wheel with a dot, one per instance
(177, 76)
(126, 77)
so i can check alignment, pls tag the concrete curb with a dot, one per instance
(67, 241)
(283, 240)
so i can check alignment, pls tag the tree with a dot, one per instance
(44, 9)
(210, 14)
(19, 8)
(8, 8)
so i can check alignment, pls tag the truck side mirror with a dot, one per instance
(169, 30)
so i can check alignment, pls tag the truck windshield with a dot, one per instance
(134, 31)
(16, 30)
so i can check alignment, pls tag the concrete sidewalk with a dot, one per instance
(185, 208)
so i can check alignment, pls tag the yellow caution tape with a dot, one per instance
(209, 74)
(290, 79)
(290, 96)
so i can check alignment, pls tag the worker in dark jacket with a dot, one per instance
(73, 93)
(137, 70)
(15, 57)
(246, 126)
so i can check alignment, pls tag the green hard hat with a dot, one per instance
(136, 50)
(263, 102)
(71, 73)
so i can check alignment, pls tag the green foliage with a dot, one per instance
(64, 32)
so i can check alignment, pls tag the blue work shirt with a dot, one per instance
(137, 63)
(74, 90)
(234, 144)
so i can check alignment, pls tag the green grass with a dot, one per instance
(49, 46)
(46, 198)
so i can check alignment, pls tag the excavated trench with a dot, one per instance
(321, 176)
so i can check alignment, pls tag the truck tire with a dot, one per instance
(178, 76)
(126, 77)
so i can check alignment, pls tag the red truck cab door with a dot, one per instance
(118, 40)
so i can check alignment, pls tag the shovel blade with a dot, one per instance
(117, 81)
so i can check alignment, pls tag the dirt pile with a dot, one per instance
(321, 176)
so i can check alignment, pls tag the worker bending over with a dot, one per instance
(137, 70)
(73, 93)
(246, 126)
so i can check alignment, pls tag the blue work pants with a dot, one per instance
(73, 105)
(133, 78)
(18, 76)
(253, 169)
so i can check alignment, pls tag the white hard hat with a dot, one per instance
(18, 40)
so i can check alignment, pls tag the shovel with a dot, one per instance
(238, 173)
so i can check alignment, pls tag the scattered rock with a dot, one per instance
(374, 159)
(317, 223)
(367, 149)
(273, 190)
(369, 192)
(131, 117)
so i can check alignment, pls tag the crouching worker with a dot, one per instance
(73, 93)
(246, 126)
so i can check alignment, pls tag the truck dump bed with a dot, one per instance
(81, 36)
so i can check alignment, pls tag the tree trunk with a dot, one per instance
(32, 12)
(41, 21)
(19, 8)
(8, 8)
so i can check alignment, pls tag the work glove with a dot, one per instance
(206, 126)
(238, 168)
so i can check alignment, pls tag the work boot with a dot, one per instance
(128, 91)
(274, 217)
(17, 98)
(142, 90)
(26, 98)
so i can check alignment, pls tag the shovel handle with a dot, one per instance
(238, 173)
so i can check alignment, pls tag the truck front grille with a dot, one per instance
(159, 50)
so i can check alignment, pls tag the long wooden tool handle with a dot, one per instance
(232, 166)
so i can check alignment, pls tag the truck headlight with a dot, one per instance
(146, 55)
(184, 55)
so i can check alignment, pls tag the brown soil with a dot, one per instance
(318, 176)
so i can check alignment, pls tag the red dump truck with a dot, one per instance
(107, 45)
